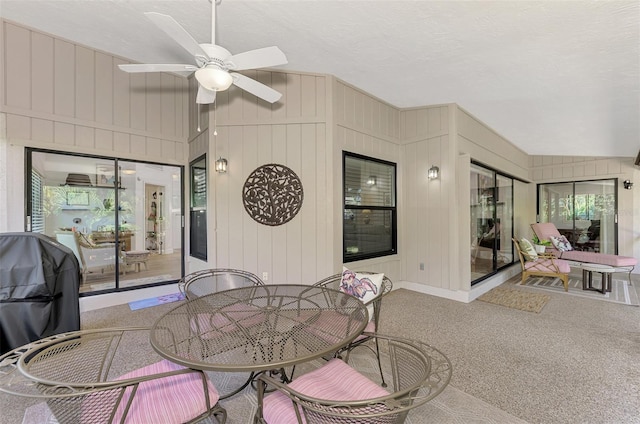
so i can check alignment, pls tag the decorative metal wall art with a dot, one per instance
(272, 194)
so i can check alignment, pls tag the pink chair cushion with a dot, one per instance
(544, 230)
(545, 265)
(175, 399)
(599, 258)
(334, 320)
(547, 229)
(335, 380)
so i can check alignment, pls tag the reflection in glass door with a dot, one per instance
(101, 209)
(583, 211)
(491, 221)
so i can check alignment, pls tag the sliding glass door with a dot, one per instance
(121, 219)
(584, 212)
(491, 221)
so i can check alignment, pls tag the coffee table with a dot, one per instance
(606, 273)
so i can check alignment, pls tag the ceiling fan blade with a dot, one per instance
(204, 96)
(143, 67)
(259, 58)
(256, 88)
(177, 32)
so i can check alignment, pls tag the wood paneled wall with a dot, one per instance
(429, 211)
(487, 146)
(291, 132)
(367, 126)
(61, 95)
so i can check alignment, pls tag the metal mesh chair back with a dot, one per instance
(208, 281)
(80, 376)
(333, 282)
(418, 373)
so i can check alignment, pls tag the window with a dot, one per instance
(198, 211)
(370, 216)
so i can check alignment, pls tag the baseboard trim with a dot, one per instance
(465, 296)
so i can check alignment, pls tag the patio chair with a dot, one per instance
(546, 230)
(214, 280)
(200, 283)
(374, 305)
(88, 377)
(349, 391)
(91, 257)
(541, 264)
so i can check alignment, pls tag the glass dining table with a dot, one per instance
(258, 328)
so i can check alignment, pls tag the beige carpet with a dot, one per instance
(621, 291)
(516, 299)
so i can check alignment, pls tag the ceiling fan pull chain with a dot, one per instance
(215, 119)
(198, 129)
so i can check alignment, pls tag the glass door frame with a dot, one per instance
(29, 151)
(614, 184)
(509, 226)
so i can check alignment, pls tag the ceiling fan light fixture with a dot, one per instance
(214, 79)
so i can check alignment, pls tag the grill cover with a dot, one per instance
(39, 289)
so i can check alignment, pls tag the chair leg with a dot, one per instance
(384, 383)
(565, 281)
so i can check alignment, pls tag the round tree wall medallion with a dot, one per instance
(272, 194)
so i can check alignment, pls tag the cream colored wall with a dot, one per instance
(291, 132)
(544, 169)
(428, 209)
(62, 96)
(368, 126)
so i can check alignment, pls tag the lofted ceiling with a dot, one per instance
(553, 77)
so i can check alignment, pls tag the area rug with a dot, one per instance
(155, 301)
(621, 291)
(516, 299)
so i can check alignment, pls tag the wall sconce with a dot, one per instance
(371, 180)
(434, 172)
(221, 165)
(627, 184)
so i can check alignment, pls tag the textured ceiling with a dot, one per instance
(553, 77)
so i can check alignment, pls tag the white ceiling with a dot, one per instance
(553, 77)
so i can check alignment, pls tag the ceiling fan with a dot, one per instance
(213, 63)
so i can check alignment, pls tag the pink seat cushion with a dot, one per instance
(545, 265)
(544, 230)
(599, 258)
(335, 380)
(175, 399)
(332, 326)
(547, 229)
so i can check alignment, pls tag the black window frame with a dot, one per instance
(346, 208)
(198, 209)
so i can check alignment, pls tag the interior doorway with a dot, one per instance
(155, 233)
